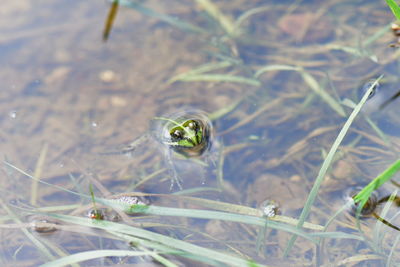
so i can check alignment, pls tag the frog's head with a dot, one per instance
(187, 135)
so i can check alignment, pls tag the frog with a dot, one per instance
(188, 133)
(379, 110)
(379, 98)
(186, 138)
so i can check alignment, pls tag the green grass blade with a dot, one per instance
(327, 163)
(394, 7)
(276, 68)
(365, 193)
(206, 214)
(154, 237)
(90, 255)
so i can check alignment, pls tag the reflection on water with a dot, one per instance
(278, 74)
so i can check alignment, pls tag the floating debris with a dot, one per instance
(269, 208)
(396, 32)
(43, 225)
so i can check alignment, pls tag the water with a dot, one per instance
(67, 97)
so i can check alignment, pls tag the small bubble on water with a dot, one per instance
(12, 114)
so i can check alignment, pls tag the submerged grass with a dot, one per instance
(221, 78)
(227, 212)
(232, 213)
(226, 23)
(94, 254)
(327, 163)
(310, 81)
(166, 241)
(199, 74)
(183, 25)
(41, 247)
(38, 173)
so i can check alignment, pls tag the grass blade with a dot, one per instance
(156, 238)
(394, 7)
(200, 69)
(38, 173)
(90, 255)
(326, 164)
(365, 193)
(205, 214)
(225, 22)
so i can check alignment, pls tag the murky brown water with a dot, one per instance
(67, 97)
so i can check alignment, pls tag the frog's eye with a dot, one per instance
(176, 133)
(366, 86)
(192, 124)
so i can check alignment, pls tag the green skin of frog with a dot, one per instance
(188, 133)
(189, 137)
